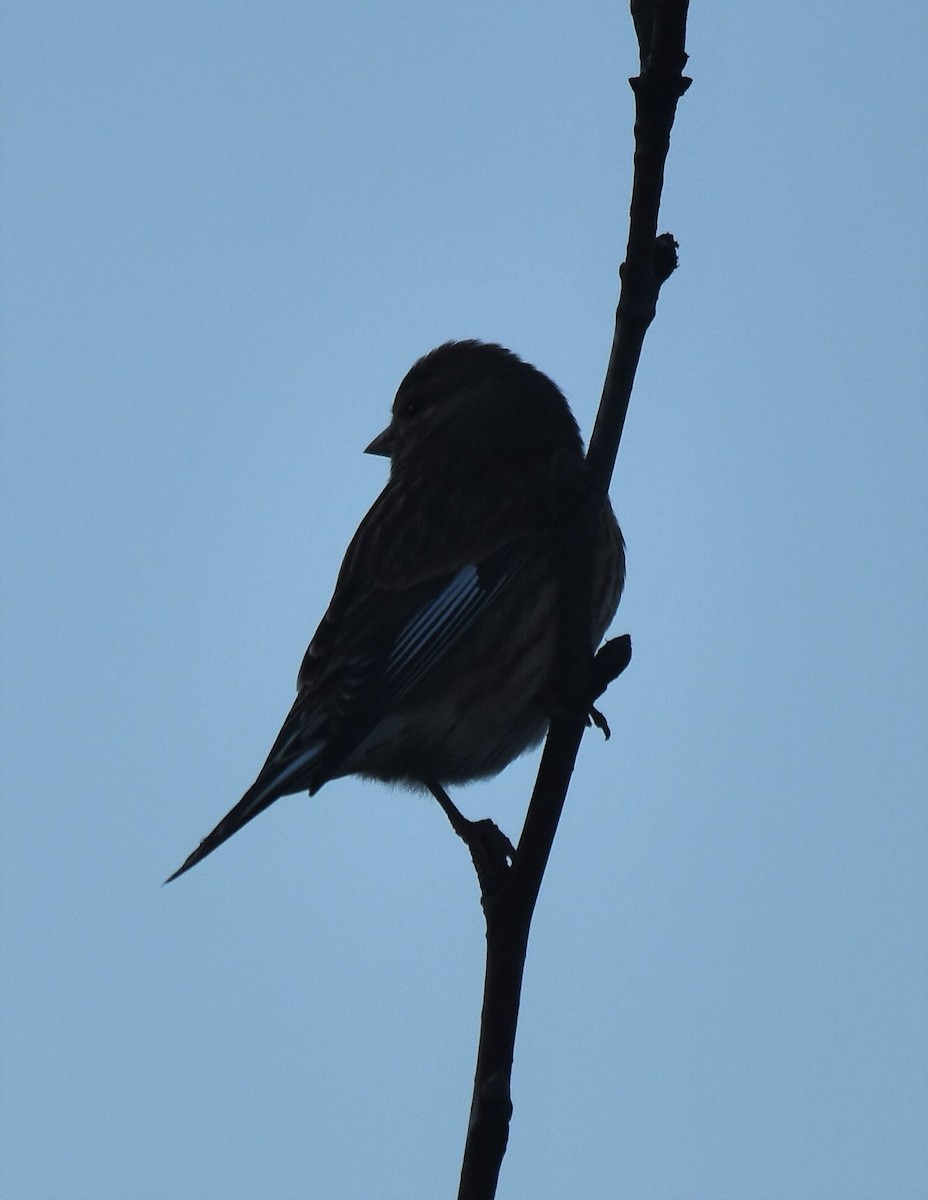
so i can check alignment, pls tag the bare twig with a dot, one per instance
(509, 893)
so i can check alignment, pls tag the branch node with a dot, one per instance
(611, 660)
(493, 1102)
(660, 84)
(666, 260)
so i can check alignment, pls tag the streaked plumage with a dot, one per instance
(434, 661)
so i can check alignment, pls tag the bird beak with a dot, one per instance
(382, 443)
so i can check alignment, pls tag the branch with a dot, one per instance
(509, 893)
(649, 259)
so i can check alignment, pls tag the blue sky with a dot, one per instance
(228, 230)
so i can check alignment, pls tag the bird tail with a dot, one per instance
(258, 797)
(292, 767)
(283, 774)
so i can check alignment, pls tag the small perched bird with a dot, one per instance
(435, 661)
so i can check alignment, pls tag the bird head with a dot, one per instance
(470, 392)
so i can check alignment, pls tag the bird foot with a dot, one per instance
(491, 851)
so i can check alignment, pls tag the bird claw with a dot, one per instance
(490, 838)
(492, 854)
(596, 718)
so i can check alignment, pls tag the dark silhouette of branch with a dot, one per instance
(510, 880)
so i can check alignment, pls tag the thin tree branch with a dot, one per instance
(509, 893)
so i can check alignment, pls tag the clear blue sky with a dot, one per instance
(228, 230)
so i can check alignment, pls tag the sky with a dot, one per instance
(228, 230)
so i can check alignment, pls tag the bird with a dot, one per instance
(435, 661)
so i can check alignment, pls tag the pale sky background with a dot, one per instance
(228, 230)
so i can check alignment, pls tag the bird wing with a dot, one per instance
(374, 647)
(375, 643)
(424, 563)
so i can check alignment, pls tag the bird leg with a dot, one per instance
(491, 851)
